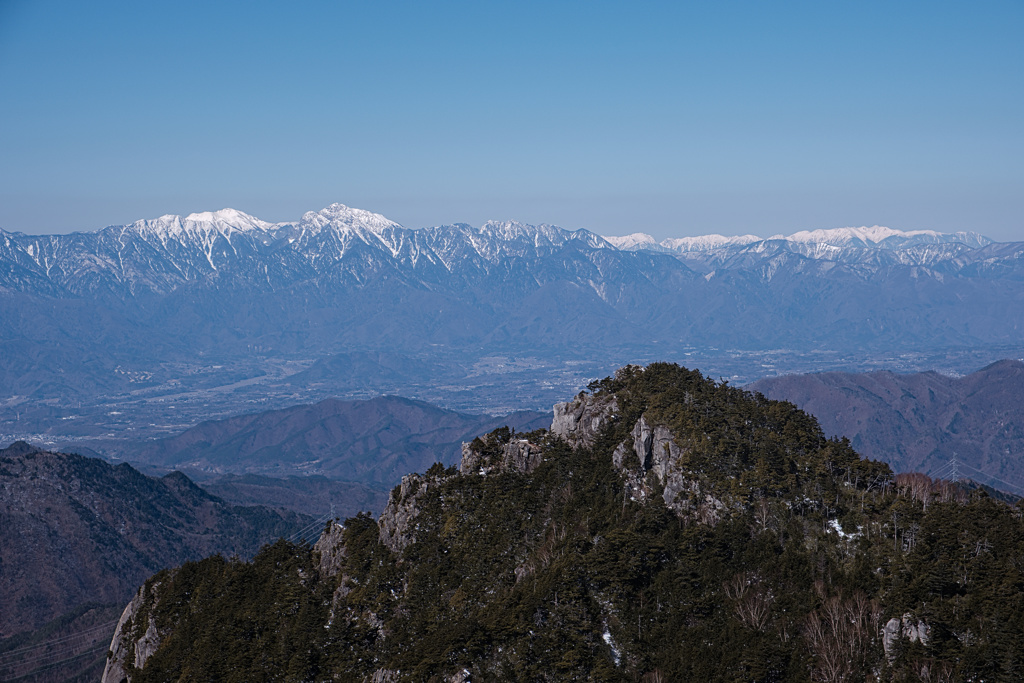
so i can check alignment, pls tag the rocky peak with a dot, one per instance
(579, 420)
(649, 459)
(396, 523)
(500, 451)
(331, 548)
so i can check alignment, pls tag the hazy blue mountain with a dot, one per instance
(922, 421)
(312, 495)
(373, 442)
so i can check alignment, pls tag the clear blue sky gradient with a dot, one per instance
(668, 118)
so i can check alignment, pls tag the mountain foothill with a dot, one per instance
(80, 534)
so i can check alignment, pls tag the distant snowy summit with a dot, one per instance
(640, 241)
(161, 253)
(224, 222)
(344, 219)
(877, 237)
(340, 277)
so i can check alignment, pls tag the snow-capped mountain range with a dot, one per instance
(874, 237)
(221, 283)
(160, 254)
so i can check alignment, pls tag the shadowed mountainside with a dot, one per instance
(79, 530)
(313, 495)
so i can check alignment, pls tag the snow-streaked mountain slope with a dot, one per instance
(635, 242)
(863, 237)
(706, 242)
(341, 244)
(342, 279)
(224, 222)
(886, 238)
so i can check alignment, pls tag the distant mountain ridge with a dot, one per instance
(373, 441)
(180, 299)
(922, 421)
(176, 249)
(864, 237)
(80, 530)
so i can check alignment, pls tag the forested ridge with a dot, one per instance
(761, 551)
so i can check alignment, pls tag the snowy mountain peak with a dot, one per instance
(232, 218)
(640, 241)
(339, 216)
(514, 231)
(224, 222)
(706, 242)
(864, 237)
(842, 236)
(508, 229)
(637, 240)
(877, 235)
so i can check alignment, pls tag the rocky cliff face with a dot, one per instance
(136, 637)
(579, 420)
(331, 549)
(488, 454)
(397, 522)
(908, 627)
(649, 461)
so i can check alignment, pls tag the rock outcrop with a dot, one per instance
(649, 459)
(331, 548)
(914, 630)
(135, 638)
(396, 523)
(579, 420)
(483, 456)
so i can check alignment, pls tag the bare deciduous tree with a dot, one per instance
(841, 634)
(752, 600)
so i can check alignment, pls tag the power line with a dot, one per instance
(312, 526)
(40, 669)
(1016, 487)
(48, 643)
(60, 651)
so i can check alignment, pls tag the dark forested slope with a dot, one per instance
(666, 528)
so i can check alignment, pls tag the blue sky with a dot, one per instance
(668, 118)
